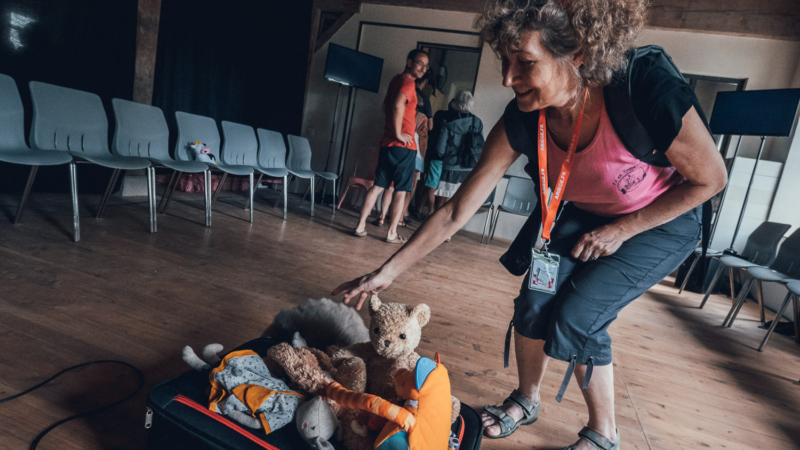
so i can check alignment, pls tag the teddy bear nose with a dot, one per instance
(387, 343)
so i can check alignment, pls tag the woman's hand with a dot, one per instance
(406, 139)
(363, 287)
(599, 242)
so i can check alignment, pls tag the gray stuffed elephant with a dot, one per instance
(316, 423)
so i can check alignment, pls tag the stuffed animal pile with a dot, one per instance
(360, 389)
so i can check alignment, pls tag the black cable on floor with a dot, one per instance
(41, 435)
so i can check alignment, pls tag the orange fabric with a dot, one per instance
(249, 394)
(432, 426)
(400, 84)
(217, 392)
(371, 403)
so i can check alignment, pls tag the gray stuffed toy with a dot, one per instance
(316, 423)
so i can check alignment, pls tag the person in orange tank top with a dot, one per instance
(398, 149)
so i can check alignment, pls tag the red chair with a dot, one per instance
(367, 160)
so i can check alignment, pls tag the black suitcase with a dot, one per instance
(178, 418)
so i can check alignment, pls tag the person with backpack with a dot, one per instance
(618, 137)
(459, 143)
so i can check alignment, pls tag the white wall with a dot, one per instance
(766, 63)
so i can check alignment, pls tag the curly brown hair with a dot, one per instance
(603, 30)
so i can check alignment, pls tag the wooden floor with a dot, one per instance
(122, 293)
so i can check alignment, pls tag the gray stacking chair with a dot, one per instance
(240, 149)
(142, 131)
(75, 122)
(489, 203)
(14, 150)
(760, 249)
(698, 254)
(520, 199)
(794, 296)
(785, 268)
(192, 128)
(272, 160)
(299, 165)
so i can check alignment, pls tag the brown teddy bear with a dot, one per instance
(311, 370)
(395, 331)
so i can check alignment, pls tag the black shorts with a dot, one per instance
(396, 165)
(574, 322)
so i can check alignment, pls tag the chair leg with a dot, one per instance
(219, 189)
(285, 196)
(305, 194)
(250, 201)
(109, 189)
(494, 223)
(260, 176)
(313, 188)
(26, 193)
(486, 223)
(689, 273)
(207, 191)
(760, 297)
(730, 277)
(341, 200)
(166, 191)
(796, 304)
(735, 303)
(151, 198)
(333, 204)
(167, 195)
(776, 320)
(76, 222)
(710, 286)
(742, 300)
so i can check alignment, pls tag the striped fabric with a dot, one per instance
(371, 403)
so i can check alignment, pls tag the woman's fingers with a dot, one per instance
(361, 300)
(343, 287)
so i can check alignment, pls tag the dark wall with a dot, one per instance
(238, 60)
(82, 44)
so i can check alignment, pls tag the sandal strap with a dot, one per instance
(527, 406)
(505, 421)
(598, 440)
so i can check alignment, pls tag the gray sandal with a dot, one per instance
(508, 426)
(599, 441)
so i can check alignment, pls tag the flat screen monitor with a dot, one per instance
(755, 113)
(353, 68)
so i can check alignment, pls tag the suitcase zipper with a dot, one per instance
(148, 419)
(219, 418)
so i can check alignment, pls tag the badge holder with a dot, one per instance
(544, 270)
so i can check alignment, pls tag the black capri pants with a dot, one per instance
(574, 321)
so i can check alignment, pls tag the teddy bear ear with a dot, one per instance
(422, 313)
(374, 304)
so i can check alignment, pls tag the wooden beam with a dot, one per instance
(776, 19)
(146, 44)
(333, 29)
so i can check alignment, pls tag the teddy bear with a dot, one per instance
(395, 331)
(311, 370)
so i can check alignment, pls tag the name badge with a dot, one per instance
(544, 271)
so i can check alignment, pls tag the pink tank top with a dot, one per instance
(606, 179)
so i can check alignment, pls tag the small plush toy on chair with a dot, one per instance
(202, 153)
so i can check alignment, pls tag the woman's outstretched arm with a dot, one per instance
(496, 158)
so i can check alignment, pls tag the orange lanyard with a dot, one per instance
(549, 212)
